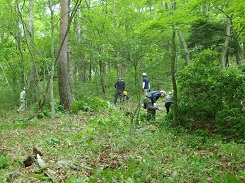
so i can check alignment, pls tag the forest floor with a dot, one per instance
(109, 146)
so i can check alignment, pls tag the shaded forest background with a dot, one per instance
(195, 48)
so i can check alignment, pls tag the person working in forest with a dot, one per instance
(149, 103)
(169, 101)
(125, 96)
(22, 101)
(145, 84)
(120, 86)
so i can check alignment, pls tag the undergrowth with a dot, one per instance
(113, 146)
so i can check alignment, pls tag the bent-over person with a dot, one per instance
(150, 105)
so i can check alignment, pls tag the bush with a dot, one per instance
(210, 97)
(231, 123)
(47, 111)
(9, 99)
(197, 84)
(89, 104)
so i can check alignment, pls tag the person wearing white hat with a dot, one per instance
(145, 84)
(150, 105)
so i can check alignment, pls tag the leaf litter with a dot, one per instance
(70, 147)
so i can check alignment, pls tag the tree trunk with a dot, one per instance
(182, 40)
(175, 106)
(4, 75)
(29, 39)
(237, 51)
(102, 68)
(80, 63)
(226, 44)
(119, 65)
(69, 59)
(33, 77)
(53, 62)
(173, 58)
(63, 73)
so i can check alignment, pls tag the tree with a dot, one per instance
(63, 73)
(224, 61)
(53, 60)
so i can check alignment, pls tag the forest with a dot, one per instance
(67, 56)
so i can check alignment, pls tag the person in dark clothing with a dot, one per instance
(169, 101)
(149, 103)
(145, 84)
(120, 86)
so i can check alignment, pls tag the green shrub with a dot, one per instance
(47, 111)
(8, 99)
(197, 89)
(231, 123)
(89, 104)
(210, 97)
(80, 105)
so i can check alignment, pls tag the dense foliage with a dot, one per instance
(210, 97)
(200, 42)
(206, 35)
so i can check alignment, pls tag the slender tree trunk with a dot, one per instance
(90, 63)
(80, 63)
(226, 44)
(237, 52)
(53, 61)
(4, 75)
(63, 73)
(102, 75)
(34, 81)
(69, 59)
(175, 106)
(119, 65)
(18, 40)
(182, 40)
(19, 48)
(173, 59)
(33, 74)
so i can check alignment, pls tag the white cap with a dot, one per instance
(162, 91)
(143, 74)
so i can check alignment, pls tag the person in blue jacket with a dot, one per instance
(150, 105)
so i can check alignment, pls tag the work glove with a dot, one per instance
(155, 105)
(142, 89)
